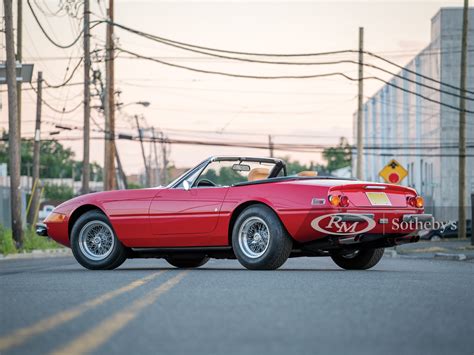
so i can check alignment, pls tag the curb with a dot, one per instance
(448, 256)
(391, 253)
(36, 254)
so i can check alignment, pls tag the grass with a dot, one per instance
(7, 246)
(31, 241)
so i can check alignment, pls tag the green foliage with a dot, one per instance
(56, 161)
(133, 186)
(58, 192)
(294, 166)
(226, 176)
(32, 241)
(7, 245)
(339, 156)
(336, 157)
(97, 173)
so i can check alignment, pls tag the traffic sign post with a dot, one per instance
(393, 172)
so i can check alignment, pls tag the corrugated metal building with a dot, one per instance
(418, 133)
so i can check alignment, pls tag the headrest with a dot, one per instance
(258, 174)
(308, 173)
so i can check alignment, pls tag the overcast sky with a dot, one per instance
(316, 111)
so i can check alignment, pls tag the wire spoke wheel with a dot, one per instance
(96, 240)
(254, 237)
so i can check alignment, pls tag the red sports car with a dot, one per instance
(239, 207)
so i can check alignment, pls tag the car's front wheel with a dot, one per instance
(94, 243)
(259, 240)
(358, 259)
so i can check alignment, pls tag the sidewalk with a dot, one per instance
(454, 249)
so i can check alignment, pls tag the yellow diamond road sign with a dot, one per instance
(393, 172)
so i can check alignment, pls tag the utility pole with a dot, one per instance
(157, 170)
(120, 168)
(14, 141)
(109, 149)
(270, 145)
(164, 153)
(462, 127)
(19, 54)
(36, 152)
(87, 101)
(360, 103)
(140, 135)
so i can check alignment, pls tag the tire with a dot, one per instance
(436, 238)
(187, 262)
(362, 260)
(105, 253)
(269, 245)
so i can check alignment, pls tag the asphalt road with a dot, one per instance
(401, 306)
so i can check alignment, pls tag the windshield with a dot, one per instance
(226, 173)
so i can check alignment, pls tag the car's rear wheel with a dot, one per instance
(436, 238)
(187, 261)
(358, 259)
(259, 240)
(94, 243)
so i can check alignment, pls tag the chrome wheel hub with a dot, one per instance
(96, 240)
(254, 237)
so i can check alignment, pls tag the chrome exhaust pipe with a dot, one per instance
(350, 240)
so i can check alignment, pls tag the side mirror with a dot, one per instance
(186, 185)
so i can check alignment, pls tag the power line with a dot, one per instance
(249, 60)
(46, 33)
(54, 108)
(312, 76)
(50, 39)
(65, 82)
(177, 43)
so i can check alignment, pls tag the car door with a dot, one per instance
(181, 217)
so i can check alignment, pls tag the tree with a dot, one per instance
(338, 157)
(58, 192)
(56, 161)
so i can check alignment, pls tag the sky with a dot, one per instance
(195, 106)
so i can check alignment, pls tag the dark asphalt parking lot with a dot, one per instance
(402, 306)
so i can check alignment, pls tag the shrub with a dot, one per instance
(7, 246)
(33, 241)
(58, 192)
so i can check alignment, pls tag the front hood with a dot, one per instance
(97, 198)
(121, 195)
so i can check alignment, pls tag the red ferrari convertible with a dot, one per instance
(239, 207)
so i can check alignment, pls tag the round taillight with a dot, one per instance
(419, 202)
(344, 201)
(334, 200)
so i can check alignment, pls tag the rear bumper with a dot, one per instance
(41, 230)
(425, 217)
(368, 241)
